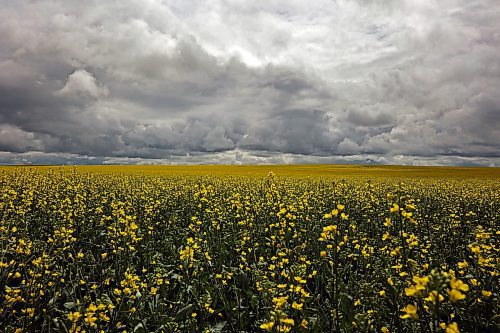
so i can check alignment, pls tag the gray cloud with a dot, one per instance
(244, 82)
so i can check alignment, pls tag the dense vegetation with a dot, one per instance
(109, 251)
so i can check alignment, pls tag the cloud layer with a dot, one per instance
(232, 81)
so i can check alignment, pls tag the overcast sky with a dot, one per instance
(237, 81)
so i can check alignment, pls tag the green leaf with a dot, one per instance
(346, 304)
(184, 312)
(217, 328)
(254, 301)
(69, 305)
(139, 328)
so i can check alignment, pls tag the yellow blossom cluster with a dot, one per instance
(242, 249)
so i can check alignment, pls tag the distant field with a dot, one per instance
(323, 170)
(300, 248)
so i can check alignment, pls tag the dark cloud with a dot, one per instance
(243, 82)
(293, 131)
(363, 117)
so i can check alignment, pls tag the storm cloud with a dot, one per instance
(231, 81)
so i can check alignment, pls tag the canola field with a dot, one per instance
(249, 249)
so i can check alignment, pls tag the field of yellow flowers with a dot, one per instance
(242, 249)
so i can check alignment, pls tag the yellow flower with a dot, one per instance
(384, 330)
(434, 297)
(486, 293)
(268, 327)
(322, 254)
(474, 249)
(31, 312)
(414, 291)
(455, 295)
(297, 306)
(280, 301)
(299, 279)
(410, 312)
(421, 280)
(90, 319)
(74, 316)
(452, 328)
(187, 253)
(104, 317)
(92, 308)
(394, 208)
(287, 321)
(459, 285)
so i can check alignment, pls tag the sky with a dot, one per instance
(244, 82)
